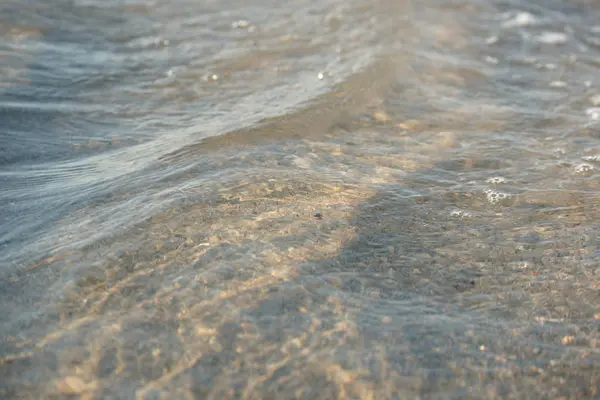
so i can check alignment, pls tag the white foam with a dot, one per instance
(496, 197)
(491, 60)
(595, 158)
(495, 180)
(584, 168)
(593, 113)
(492, 40)
(242, 23)
(521, 20)
(548, 66)
(558, 84)
(520, 264)
(552, 38)
(461, 214)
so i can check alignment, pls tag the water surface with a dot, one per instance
(386, 199)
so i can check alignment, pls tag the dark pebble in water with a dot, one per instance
(318, 215)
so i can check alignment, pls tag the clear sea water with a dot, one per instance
(313, 199)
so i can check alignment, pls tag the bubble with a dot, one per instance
(495, 180)
(520, 264)
(496, 197)
(461, 214)
(583, 168)
(241, 24)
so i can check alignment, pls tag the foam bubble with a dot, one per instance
(496, 180)
(496, 197)
(461, 214)
(584, 168)
(594, 158)
(242, 23)
(520, 264)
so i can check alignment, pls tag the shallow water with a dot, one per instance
(330, 199)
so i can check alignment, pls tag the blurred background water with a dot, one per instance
(324, 199)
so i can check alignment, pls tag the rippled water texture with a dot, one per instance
(311, 199)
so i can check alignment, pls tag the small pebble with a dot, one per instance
(318, 215)
(595, 100)
(410, 124)
(568, 340)
(73, 386)
(381, 116)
